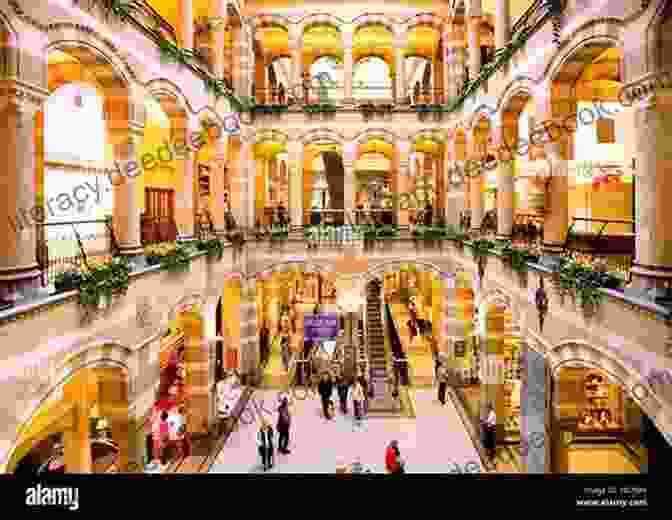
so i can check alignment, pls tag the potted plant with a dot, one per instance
(178, 260)
(480, 250)
(213, 247)
(67, 281)
(102, 281)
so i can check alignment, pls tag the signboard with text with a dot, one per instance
(320, 326)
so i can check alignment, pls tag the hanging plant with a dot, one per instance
(178, 259)
(100, 281)
(213, 247)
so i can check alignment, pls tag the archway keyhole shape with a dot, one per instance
(75, 134)
(371, 79)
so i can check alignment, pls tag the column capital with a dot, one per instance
(643, 90)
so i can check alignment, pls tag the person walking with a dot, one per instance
(490, 434)
(325, 389)
(393, 462)
(264, 340)
(358, 399)
(285, 353)
(342, 387)
(442, 380)
(265, 445)
(284, 424)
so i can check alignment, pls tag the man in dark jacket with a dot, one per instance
(284, 424)
(325, 389)
(342, 387)
(264, 339)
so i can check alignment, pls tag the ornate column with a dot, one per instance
(556, 218)
(76, 438)
(249, 338)
(19, 273)
(653, 125)
(296, 50)
(186, 23)
(505, 186)
(295, 172)
(219, 38)
(349, 151)
(248, 187)
(347, 68)
(400, 44)
(474, 21)
(535, 438)
(126, 212)
(446, 48)
(502, 23)
(186, 164)
(218, 187)
(491, 334)
(475, 180)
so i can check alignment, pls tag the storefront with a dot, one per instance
(598, 427)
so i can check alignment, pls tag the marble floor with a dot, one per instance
(433, 442)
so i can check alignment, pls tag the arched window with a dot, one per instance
(371, 79)
(74, 134)
(327, 74)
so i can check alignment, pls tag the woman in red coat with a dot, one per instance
(392, 460)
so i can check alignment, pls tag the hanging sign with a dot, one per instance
(320, 326)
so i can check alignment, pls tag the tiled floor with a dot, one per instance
(431, 443)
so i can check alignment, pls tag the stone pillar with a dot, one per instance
(76, 443)
(295, 172)
(19, 273)
(249, 337)
(126, 211)
(475, 180)
(186, 164)
(400, 44)
(556, 218)
(347, 69)
(491, 321)
(219, 38)
(474, 21)
(186, 23)
(653, 260)
(502, 23)
(447, 58)
(349, 151)
(505, 187)
(296, 50)
(113, 402)
(218, 187)
(248, 187)
(534, 412)
(197, 359)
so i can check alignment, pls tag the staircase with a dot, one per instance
(382, 401)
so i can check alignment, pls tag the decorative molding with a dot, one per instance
(643, 90)
(26, 18)
(79, 167)
(22, 94)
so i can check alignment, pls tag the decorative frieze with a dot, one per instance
(24, 96)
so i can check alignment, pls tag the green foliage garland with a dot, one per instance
(177, 260)
(103, 280)
(214, 247)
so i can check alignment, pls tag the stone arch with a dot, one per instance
(316, 134)
(522, 86)
(271, 20)
(373, 19)
(287, 266)
(270, 134)
(70, 35)
(99, 352)
(611, 33)
(387, 135)
(313, 19)
(656, 49)
(494, 296)
(633, 382)
(439, 135)
(390, 265)
(165, 87)
(424, 19)
(172, 312)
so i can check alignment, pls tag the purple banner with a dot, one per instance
(320, 326)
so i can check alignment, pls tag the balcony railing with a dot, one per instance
(66, 246)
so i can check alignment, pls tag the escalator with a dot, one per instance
(397, 349)
(375, 338)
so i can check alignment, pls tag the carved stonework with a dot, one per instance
(644, 89)
(23, 96)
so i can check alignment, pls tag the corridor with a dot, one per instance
(431, 443)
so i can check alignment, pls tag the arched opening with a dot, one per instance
(598, 427)
(377, 177)
(426, 204)
(83, 427)
(371, 79)
(323, 182)
(272, 186)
